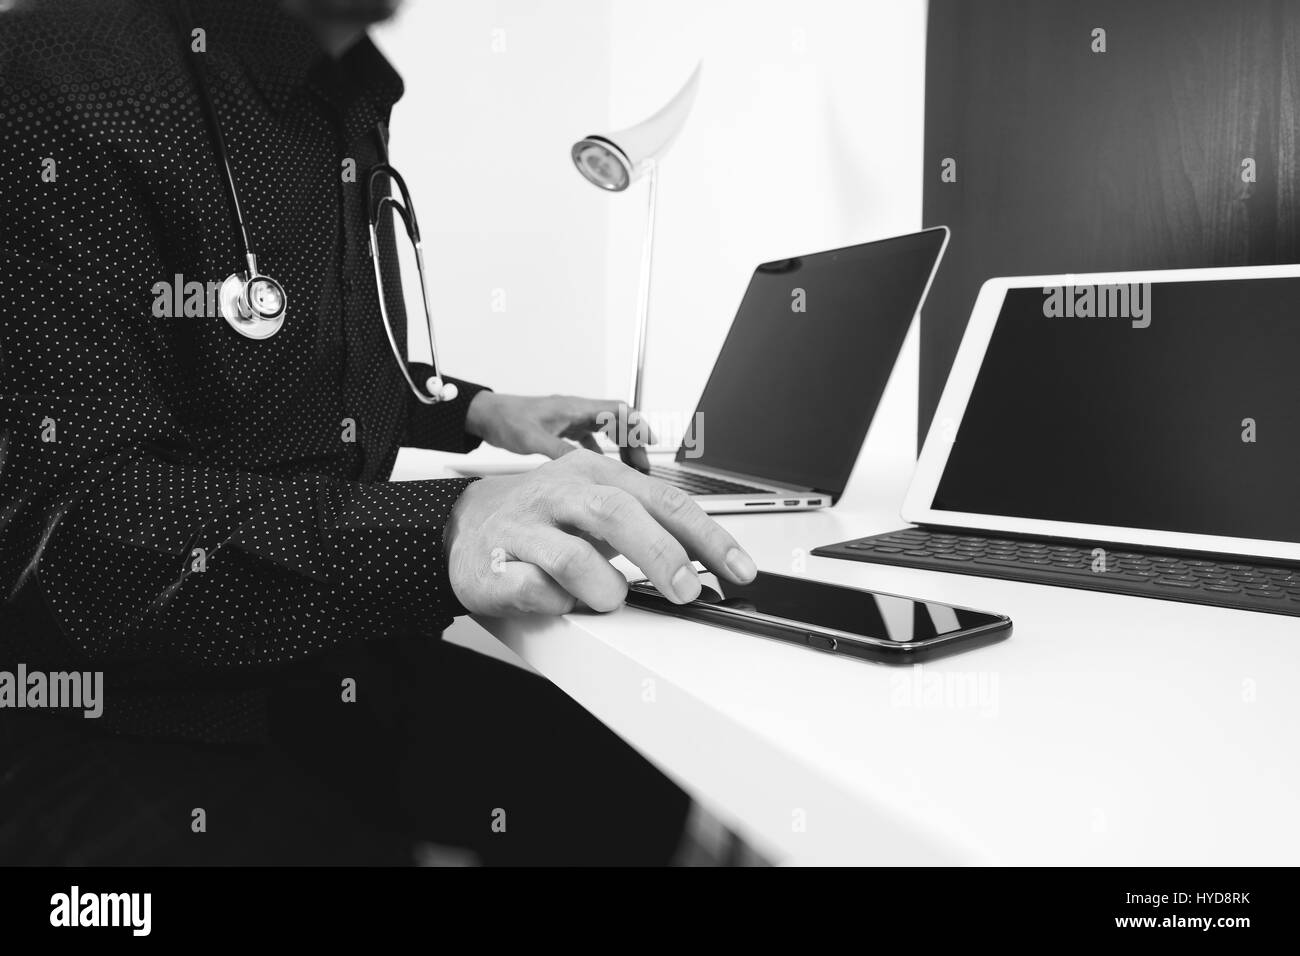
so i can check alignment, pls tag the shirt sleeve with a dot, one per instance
(441, 427)
(140, 553)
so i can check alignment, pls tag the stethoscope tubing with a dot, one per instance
(218, 137)
(251, 318)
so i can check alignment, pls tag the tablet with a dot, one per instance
(1159, 409)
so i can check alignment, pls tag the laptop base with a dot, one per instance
(717, 495)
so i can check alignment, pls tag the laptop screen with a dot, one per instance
(799, 377)
(1180, 414)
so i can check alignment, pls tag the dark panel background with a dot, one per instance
(1074, 161)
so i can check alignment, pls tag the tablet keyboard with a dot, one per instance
(1172, 577)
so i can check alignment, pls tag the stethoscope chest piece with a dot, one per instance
(254, 307)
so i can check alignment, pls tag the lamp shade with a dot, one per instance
(613, 161)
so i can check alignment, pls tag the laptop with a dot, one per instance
(1135, 432)
(787, 406)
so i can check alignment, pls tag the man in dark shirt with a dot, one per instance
(207, 519)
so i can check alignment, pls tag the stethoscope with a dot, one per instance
(254, 304)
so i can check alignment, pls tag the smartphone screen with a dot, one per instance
(881, 616)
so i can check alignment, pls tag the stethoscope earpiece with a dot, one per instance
(441, 391)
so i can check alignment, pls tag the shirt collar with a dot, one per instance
(361, 73)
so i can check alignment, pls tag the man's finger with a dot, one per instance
(612, 417)
(638, 425)
(573, 564)
(519, 587)
(674, 510)
(615, 516)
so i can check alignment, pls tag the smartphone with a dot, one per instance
(885, 628)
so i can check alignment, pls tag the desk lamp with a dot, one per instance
(613, 161)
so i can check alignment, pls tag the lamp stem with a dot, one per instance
(643, 293)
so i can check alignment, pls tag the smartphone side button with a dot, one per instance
(822, 643)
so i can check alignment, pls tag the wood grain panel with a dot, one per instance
(1074, 161)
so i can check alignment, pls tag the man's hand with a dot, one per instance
(541, 425)
(539, 542)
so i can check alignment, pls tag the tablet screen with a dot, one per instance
(1179, 413)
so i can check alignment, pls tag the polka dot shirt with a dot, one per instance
(181, 506)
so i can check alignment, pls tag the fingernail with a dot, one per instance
(686, 584)
(741, 565)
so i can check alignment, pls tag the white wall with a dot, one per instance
(496, 92)
(807, 134)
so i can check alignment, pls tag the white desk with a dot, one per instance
(1106, 730)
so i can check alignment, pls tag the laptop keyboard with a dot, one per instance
(697, 484)
(1225, 583)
